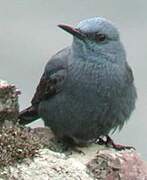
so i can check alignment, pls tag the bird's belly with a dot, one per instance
(87, 108)
(85, 117)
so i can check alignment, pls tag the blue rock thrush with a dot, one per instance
(87, 89)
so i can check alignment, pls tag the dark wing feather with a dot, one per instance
(52, 79)
(45, 89)
(50, 84)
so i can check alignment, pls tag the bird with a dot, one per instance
(87, 89)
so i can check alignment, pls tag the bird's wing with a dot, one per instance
(50, 84)
(52, 79)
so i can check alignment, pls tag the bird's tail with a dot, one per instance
(28, 115)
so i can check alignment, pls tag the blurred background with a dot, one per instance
(29, 36)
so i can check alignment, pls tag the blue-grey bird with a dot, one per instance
(87, 89)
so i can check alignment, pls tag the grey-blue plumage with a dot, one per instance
(89, 89)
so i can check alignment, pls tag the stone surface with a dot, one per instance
(48, 165)
(8, 102)
(125, 165)
(105, 165)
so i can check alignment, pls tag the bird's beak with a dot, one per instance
(75, 32)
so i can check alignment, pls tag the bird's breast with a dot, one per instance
(83, 74)
(90, 79)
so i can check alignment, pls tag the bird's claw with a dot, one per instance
(110, 143)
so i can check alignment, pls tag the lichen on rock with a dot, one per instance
(17, 143)
(9, 107)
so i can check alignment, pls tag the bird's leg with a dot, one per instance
(70, 145)
(100, 141)
(110, 142)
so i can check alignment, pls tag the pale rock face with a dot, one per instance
(104, 165)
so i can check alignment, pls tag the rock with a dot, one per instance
(106, 165)
(8, 102)
(48, 165)
(111, 165)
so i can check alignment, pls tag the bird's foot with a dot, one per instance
(110, 143)
(75, 149)
(68, 146)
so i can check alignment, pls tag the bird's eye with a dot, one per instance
(100, 37)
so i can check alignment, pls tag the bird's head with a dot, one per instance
(96, 37)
